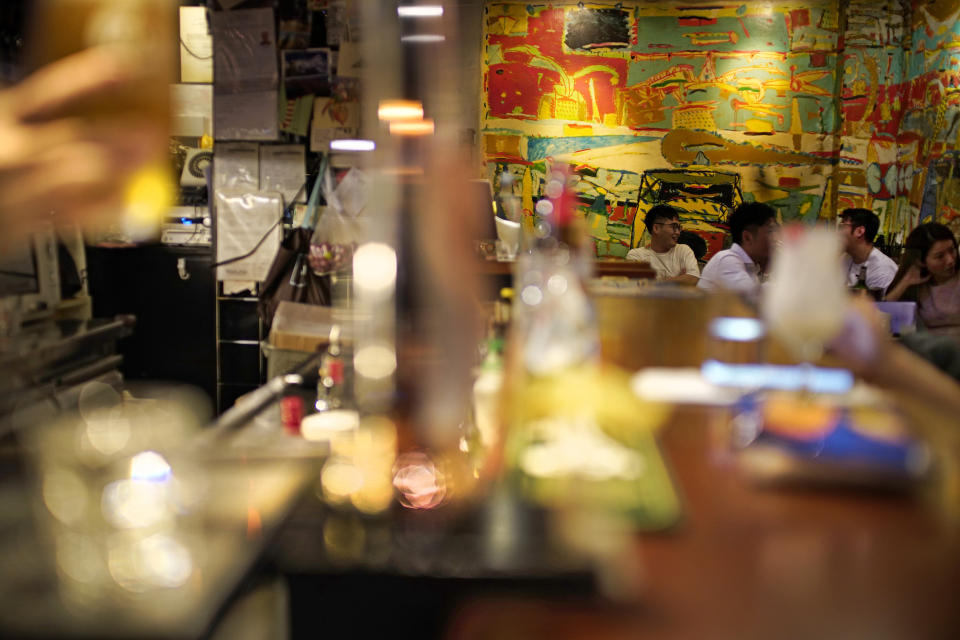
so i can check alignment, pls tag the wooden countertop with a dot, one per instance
(751, 562)
(760, 563)
(621, 268)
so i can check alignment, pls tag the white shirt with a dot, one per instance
(732, 269)
(678, 261)
(880, 270)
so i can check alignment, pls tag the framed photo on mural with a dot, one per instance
(589, 28)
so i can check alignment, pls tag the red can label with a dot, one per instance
(291, 413)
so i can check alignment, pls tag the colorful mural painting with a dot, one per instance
(930, 130)
(810, 106)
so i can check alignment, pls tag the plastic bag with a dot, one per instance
(339, 228)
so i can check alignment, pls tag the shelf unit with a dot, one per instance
(241, 365)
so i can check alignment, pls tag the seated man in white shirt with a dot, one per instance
(858, 228)
(673, 262)
(740, 268)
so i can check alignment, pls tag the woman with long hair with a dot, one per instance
(928, 276)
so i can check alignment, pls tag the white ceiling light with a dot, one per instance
(420, 11)
(423, 37)
(352, 145)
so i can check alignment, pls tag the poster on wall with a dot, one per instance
(246, 52)
(333, 118)
(307, 71)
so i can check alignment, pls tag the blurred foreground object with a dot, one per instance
(805, 299)
(863, 345)
(852, 439)
(578, 440)
(139, 530)
(85, 135)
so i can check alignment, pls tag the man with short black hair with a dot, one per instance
(858, 228)
(673, 262)
(741, 267)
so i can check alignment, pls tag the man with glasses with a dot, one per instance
(741, 268)
(672, 261)
(858, 228)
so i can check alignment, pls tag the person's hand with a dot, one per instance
(862, 343)
(914, 276)
(60, 163)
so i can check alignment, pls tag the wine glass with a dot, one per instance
(805, 299)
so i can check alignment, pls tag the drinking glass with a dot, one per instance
(805, 299)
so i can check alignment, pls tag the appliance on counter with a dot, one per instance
(196, 166)
(186, 226)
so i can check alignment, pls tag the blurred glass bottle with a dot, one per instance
(554, 315)
(860, 287)
(488, 385)
(144, 36)
(553, 331)
(331, 382)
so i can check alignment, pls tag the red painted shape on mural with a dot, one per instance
(508, 158)
(696, 22)
(514, 90)
(617, 214)
(818, 59)
(854, 107)
(786, 181)
(518, 74)
(800, 17)
(714, 242)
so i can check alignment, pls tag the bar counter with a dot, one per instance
(749, 562)
(744, 561)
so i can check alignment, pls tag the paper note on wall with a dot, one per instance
(246, 52)
(196, 46)
(191, 110)
(246, 116)
(282, 168)
(244, 221)
(236, 165)
(349, 62)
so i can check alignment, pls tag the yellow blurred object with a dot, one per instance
(582, 440)
(206, 141)
(601, 392)
(149, 195)
(140, 36)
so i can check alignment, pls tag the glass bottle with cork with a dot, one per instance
(331, 379)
